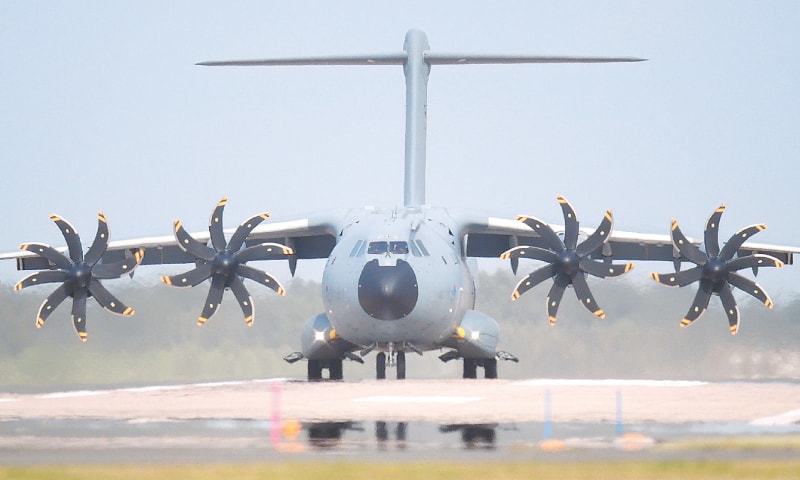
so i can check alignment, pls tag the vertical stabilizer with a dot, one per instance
(416, 71)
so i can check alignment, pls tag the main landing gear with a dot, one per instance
(315, 368)
(471, 367)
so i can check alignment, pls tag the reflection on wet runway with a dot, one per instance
(275, 420)
(233, 440)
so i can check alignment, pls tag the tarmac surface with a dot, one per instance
(410, 420)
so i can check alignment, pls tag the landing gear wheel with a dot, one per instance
(470, 368)
(380, 366)
(490, 368)
(314, 370)
(401, 365)
(335, 370)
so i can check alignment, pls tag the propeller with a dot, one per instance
(225, 265)
(79, 274)
(568, 262)
(715, 269)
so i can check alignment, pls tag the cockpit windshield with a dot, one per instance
(398, 248)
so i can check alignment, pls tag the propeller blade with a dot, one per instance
(264, 251)
(602, 269)
(750, 287)
(543, 230)
(38, 278)
(188, 244)
(107, 300)
(711, 234)
(754, 261)
(731, 309)
(100, 242)
(699, 305)
(51, 254)
(215, 226)
(241, 233)
(261, 277)
(678, 279)
(527, 251)
(571, 224)
(118, 269)
(690, 251)
(71, 236)
(79, 312)
(737, 239)
(191, 278)
(244, 298)
(598, 237)
(535, 278)
(213, 299)
(585, 295)
(50, 304)
(554, 297)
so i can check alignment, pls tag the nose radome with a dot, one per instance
(387, 292)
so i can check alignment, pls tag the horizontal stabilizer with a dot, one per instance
(472, 59)
(381, 59)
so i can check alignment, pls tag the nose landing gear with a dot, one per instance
(390, 358)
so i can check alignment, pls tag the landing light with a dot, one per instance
(475, 335)
(319, 336)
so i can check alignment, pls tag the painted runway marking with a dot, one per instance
(416, 399)
(79, 393)
(557, 382)
(788, 418)
(154, 388)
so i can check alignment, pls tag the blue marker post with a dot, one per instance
(619, 413)
(548, 423)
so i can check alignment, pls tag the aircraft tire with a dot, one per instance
(314, 370)
(380, 366)
(401, 365)
(335, 371)
(490, 368)
(470, 368)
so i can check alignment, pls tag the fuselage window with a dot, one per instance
(422, 248)
(356, 247)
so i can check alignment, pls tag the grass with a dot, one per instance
(740, 469)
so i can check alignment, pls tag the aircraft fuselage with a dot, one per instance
(397, 276)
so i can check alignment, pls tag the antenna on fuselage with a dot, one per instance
(417, 59)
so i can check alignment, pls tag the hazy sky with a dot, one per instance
(102, 107)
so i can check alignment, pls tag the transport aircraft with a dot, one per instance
(401, 280)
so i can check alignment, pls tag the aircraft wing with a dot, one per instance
(489, 237)
(309, 238)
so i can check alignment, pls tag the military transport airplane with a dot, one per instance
(400, 280)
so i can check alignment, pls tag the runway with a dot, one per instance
(264, 420)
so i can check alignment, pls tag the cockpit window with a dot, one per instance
(378, 247)
(397, 248)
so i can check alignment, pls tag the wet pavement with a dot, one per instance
(65, 435)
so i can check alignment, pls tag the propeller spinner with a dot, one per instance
(567, 261)
(715, 269)
(224, 264)
(79, 274)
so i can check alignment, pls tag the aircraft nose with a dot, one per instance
(387, 292)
